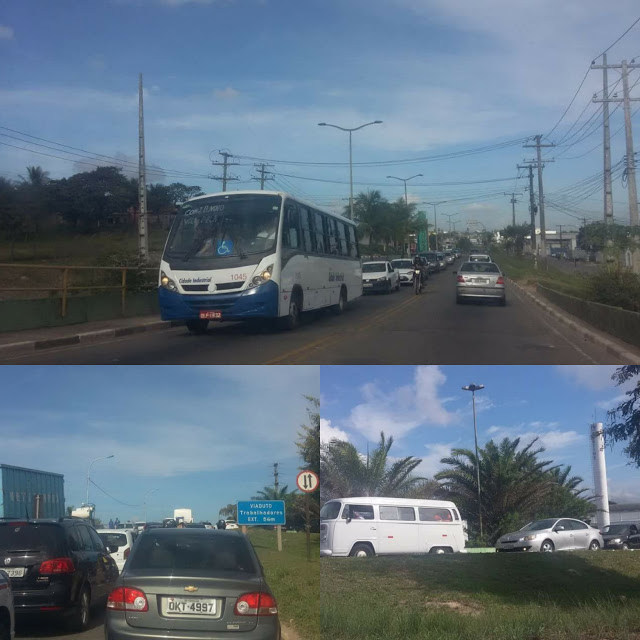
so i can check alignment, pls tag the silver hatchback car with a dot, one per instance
(192, 583)
(552, 534)
(480, 281)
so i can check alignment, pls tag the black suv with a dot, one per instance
(621, 535)
(57, 568)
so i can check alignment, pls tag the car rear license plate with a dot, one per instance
(367, 284)
(191, 606)
(210, 315)
(14, 572)
(482, 280)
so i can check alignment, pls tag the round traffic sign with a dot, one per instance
(307, 481)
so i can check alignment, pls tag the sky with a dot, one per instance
(427, 413)
(255, 77)
(204, 437)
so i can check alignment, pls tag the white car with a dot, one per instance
(118, 543)
(379, 276)
(6, 607)
(231, 524)
(404, 267)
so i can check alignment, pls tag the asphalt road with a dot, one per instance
(400, 328)
(33, 630)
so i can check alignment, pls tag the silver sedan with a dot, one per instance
(552, 534)
(480, 281)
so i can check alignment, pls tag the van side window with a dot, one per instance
(432, 514)
(406, 513)
(358, 512)
(291, 223)
(397, 513)
(456, 515)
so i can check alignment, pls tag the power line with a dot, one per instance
(126, 504)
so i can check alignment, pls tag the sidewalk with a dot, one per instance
(12, 342)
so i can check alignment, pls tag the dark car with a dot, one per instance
(192, 583)
(58, 568)
(433, 264)
(621, 535)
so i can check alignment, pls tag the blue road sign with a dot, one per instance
(256, 512)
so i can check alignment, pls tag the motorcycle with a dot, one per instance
(417, 280)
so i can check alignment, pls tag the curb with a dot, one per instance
(85, 337)
(590, 335)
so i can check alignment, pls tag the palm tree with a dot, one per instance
(271, 493)
(514, 482)
(345, 472)
(369, 209)
(36, 177)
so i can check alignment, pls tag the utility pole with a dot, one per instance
(513, 206)
(143, 238)
(532, 206)
(264, 174)
(276, 485)
(225, 164)
(608, 189)
(626, 100)
(543, 234)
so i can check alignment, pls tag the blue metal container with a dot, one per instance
(23, 491)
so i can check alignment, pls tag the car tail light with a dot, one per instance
(500, 280)
(460, 278)
(126, 599)
(256, 604)
(57, 565)
(126, 553)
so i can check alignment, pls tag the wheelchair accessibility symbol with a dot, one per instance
(224, 247)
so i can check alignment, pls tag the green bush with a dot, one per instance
(615, 287)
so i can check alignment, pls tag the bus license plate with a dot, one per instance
(210, 315)
(188, 606)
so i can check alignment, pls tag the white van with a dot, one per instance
(363, 527)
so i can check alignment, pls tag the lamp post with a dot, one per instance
(350, 131)
(435, 217)
(89, 472)
(144, 500)
(405, 180)
(449, 216)
(473, 388)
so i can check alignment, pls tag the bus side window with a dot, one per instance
(305, 226)
(333, 242)
(319, 231)
(342, 238)
(353, 243)
(291, 239)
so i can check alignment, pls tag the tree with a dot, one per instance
(230, 511)
(514, 237)
(624, 420)
(344, 472)
(513, 480)
(70, 509)
(610, 238)
(309, 438)
(464, 243)
(180, 193)
(12, 222)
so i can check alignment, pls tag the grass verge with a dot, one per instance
(294, 580)
(564, 596)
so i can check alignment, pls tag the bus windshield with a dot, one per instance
(225, 226)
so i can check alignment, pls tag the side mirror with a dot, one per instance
(559, 528)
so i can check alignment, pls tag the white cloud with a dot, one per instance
(622, 491)
(6, 33)
(593, 377)
(537, 424)
(612, 403)
(328, 432)
(401, 409)
(226, 94)
(430, 464)
(548, 437)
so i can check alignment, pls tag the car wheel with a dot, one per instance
(398, 286)
(361, 551)
(625, 546)
(594, 546)
(547, 547)
(342, 303)
(292, 320)
(79, 620)
(197, 327)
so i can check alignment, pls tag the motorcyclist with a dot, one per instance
(418, 263)
(221, 524)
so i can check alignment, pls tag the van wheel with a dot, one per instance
(79, 620)
(292, 319)
(438, 550)
(197, 327)
(339, 308)
(361, 551)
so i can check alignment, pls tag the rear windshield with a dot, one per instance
(429, 256)
(186, 551)
(402, 264)
(616, 528)
(480, 267)
(114, 539)
(373, 267)
(37, 538)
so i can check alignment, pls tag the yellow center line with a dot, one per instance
(339, 334)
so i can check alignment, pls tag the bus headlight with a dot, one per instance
(261, 278)
(167, 282)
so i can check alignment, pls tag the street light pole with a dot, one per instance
(449, 216)
(144, 500)
(405, 180)
(350, 131)
(435, 217)
(89, 472)
(473, 388)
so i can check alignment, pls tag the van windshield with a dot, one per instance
(330, 511)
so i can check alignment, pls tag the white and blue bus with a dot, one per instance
(246, 255)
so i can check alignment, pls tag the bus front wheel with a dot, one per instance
(197, 326)
(292, 320)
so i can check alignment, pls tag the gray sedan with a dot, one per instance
(552, 534)
(480, 281)
(195, 583)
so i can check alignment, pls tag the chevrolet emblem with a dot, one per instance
(191, 589)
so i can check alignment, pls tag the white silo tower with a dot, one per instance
(599, 474)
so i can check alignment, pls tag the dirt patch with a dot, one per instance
(465, 608)
(289, 633)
